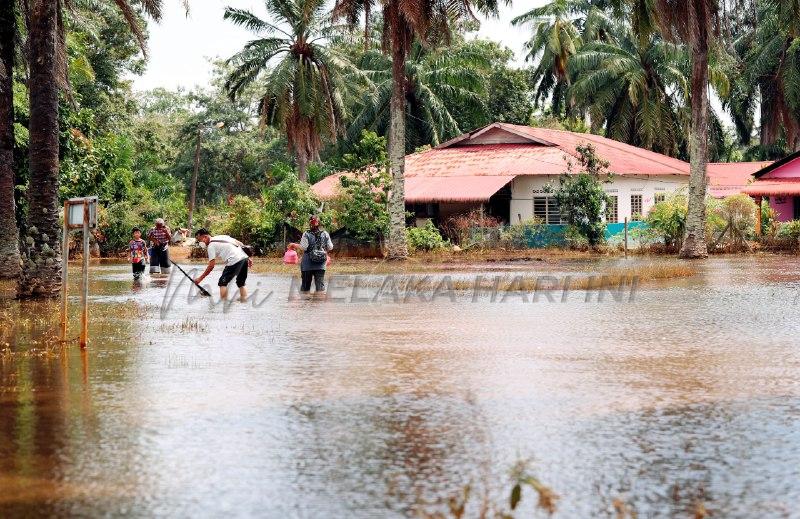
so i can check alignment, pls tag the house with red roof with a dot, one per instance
(509, 169)
(779, 182)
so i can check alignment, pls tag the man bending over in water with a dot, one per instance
(229, 252)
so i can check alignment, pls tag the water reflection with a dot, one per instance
(301, 408)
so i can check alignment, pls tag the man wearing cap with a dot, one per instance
(315, 245)
(159, 237)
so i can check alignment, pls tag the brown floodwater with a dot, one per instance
(687, 392)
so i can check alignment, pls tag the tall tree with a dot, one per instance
(403, 22)
(9, 234)
(773, 65)
(303, 87)
(559, 29)
(436, 79)
(41, 272)
(692, 22)
(629, 88)
(41, 275)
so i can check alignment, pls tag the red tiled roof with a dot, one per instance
(623, 159)
(433, 189)
(530, 151)
(487, 160)
(774, 187)
(730, 178)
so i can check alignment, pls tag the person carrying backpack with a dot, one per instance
(315, 244)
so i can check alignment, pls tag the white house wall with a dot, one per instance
(524, 188)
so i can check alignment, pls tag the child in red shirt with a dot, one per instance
(138, 253)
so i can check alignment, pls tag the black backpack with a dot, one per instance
(317, 253)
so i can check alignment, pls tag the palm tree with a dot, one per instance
(303, 79)
(9, 235)
(559, 29)
(41, 275)
(692, 22)
(404, 21)
(435, 77)
(631, 90)
(41, 272)
(772, 63)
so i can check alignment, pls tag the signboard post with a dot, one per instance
(79, 213)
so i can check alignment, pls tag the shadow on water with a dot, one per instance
(687, 394)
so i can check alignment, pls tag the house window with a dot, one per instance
(546, 208)
(660, 197)
(636, 208)
(612, 211)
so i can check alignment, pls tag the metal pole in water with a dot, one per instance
(85, 286)
(64, 273)
(626, 237)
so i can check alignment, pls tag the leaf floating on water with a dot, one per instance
(516, 495)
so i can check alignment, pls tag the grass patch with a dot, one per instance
(508, 282)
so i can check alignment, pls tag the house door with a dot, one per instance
(797, 207)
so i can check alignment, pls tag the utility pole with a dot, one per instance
(193, 192)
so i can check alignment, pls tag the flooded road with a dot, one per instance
(687, 393)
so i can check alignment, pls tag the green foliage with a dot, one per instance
(668, 219)
(425, 238)
(582, 199)
(769, 219)
(738, 211)
(440, 81)
(139, 209)
(362, 203)
(370, 150)
(521, 235)
(300, 79)
(292, 201)
(249, 222)
(790, 230)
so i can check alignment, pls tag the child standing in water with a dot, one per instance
(138, 253)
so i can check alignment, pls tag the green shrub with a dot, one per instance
(575, 238)
(522, 235)
(293, 201)
(425, 238)
(790, 230)
(582, 199)
(248, 221)
(361, 204)
(769, 219)
(668, 219)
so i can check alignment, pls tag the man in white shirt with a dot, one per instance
(229, 252)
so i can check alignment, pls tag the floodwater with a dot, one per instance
(687, 393)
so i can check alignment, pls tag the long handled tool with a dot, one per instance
(202, 290)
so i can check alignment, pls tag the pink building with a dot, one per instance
(780, 184)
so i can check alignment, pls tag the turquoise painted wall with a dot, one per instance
(553, 235)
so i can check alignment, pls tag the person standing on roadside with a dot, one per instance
(315, 244)
(159, 237)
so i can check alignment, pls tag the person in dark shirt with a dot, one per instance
(315, 245)
(159, 237)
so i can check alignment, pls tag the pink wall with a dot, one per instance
(789, 170)
(784, 207)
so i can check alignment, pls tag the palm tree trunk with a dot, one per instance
(367, 26)
(302, 166)
(9, 235)
(396, 247)
(694, 242)
(41, 273)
